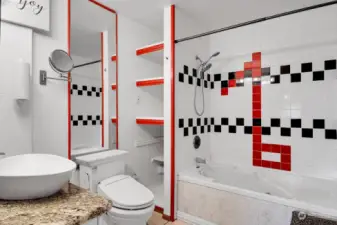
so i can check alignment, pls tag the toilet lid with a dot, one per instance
(126, 193)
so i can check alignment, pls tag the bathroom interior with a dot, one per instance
(168, 112)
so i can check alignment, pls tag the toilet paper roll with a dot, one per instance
(22, 81)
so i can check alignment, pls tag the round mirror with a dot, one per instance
(60, 61)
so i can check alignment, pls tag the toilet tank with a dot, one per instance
(97, 167)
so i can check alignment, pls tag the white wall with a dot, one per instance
(292, 40)
(15, 118)
(134, 102)
(50, 105)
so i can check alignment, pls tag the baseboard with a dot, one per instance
(192, 220)
(166, 217)
(158, 209)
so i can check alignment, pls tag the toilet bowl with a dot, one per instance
(133, 203)
(103, 172)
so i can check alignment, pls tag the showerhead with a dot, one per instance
(216, 54)
(207, 67)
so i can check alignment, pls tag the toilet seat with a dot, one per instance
(126, 193)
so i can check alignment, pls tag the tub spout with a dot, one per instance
(2, 155)
(199, 160)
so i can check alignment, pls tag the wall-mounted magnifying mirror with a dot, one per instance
(61, 63)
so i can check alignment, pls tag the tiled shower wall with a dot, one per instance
(271, 96)
(86, 98)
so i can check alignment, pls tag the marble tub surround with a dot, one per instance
(71, 206)
(310, 220)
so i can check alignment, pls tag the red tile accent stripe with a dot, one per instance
(224, 91)
(114, 87)
(114, 120)
(239, 75)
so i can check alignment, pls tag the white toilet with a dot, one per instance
(103, 173)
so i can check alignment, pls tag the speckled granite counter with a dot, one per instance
(71, 206)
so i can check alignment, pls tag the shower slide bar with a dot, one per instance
(256, 21)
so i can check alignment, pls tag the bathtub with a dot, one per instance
(230, 195)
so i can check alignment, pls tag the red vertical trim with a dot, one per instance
(173, 177)
(117, 60)
(102, 77)
(69, 83)
(103, 6)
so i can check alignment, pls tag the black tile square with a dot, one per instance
(75, 87)
(296, 123)
(275, 122)
(84, 87)
(212, 85)
(194, 72)
(205, 84)
(181, 123)
(266, 131)
(98, 94)
(181, 77)
(190, 79)
(75, 123)
(89, 93)
(185, 69)
(85, 123)
(330, 134)
(212, 121)
(257, 122)
(224, 83)
(199, 122)
(93, 122)
(319, 124)
(224, 121)
(205, 121)
(275, 79)
(195, 130)
(265, 71)
(286, 132)
(100, 122)
(232, 129)
(208, 128)
(190, 122)
(71, 91)
(98, 117)
(318, 75)
(231, 75)
(295, 77)
(100, 90)
(307, 133)
(185, 131)
(306, 67)
(202, 129)
(248, 73)
(330, 64)
(80, 117)
(71, 117)
(285, 69)
(248, 130)
(80, 92)
(240, 121)
(240, 83)
(93, 88)
(208, 77)
(217, 129)
(199, 82)
(217, 77)
(89, 117)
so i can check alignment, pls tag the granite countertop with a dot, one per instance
(71, 206)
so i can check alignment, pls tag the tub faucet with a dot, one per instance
(2, 155)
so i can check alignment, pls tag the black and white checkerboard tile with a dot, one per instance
(194, 126)
(84, 90)
(86, 120)
(190, 75)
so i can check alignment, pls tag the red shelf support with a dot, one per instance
(114, 87)
(113, 58)
(149, 49)
(150, 121)
(153, 82)
(114, 120)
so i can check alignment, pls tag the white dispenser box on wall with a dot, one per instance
(22, 81)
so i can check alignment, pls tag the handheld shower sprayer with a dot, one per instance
(203, 67)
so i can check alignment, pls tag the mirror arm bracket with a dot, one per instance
(44, 78)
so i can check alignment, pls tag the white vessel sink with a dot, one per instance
(33, 176)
